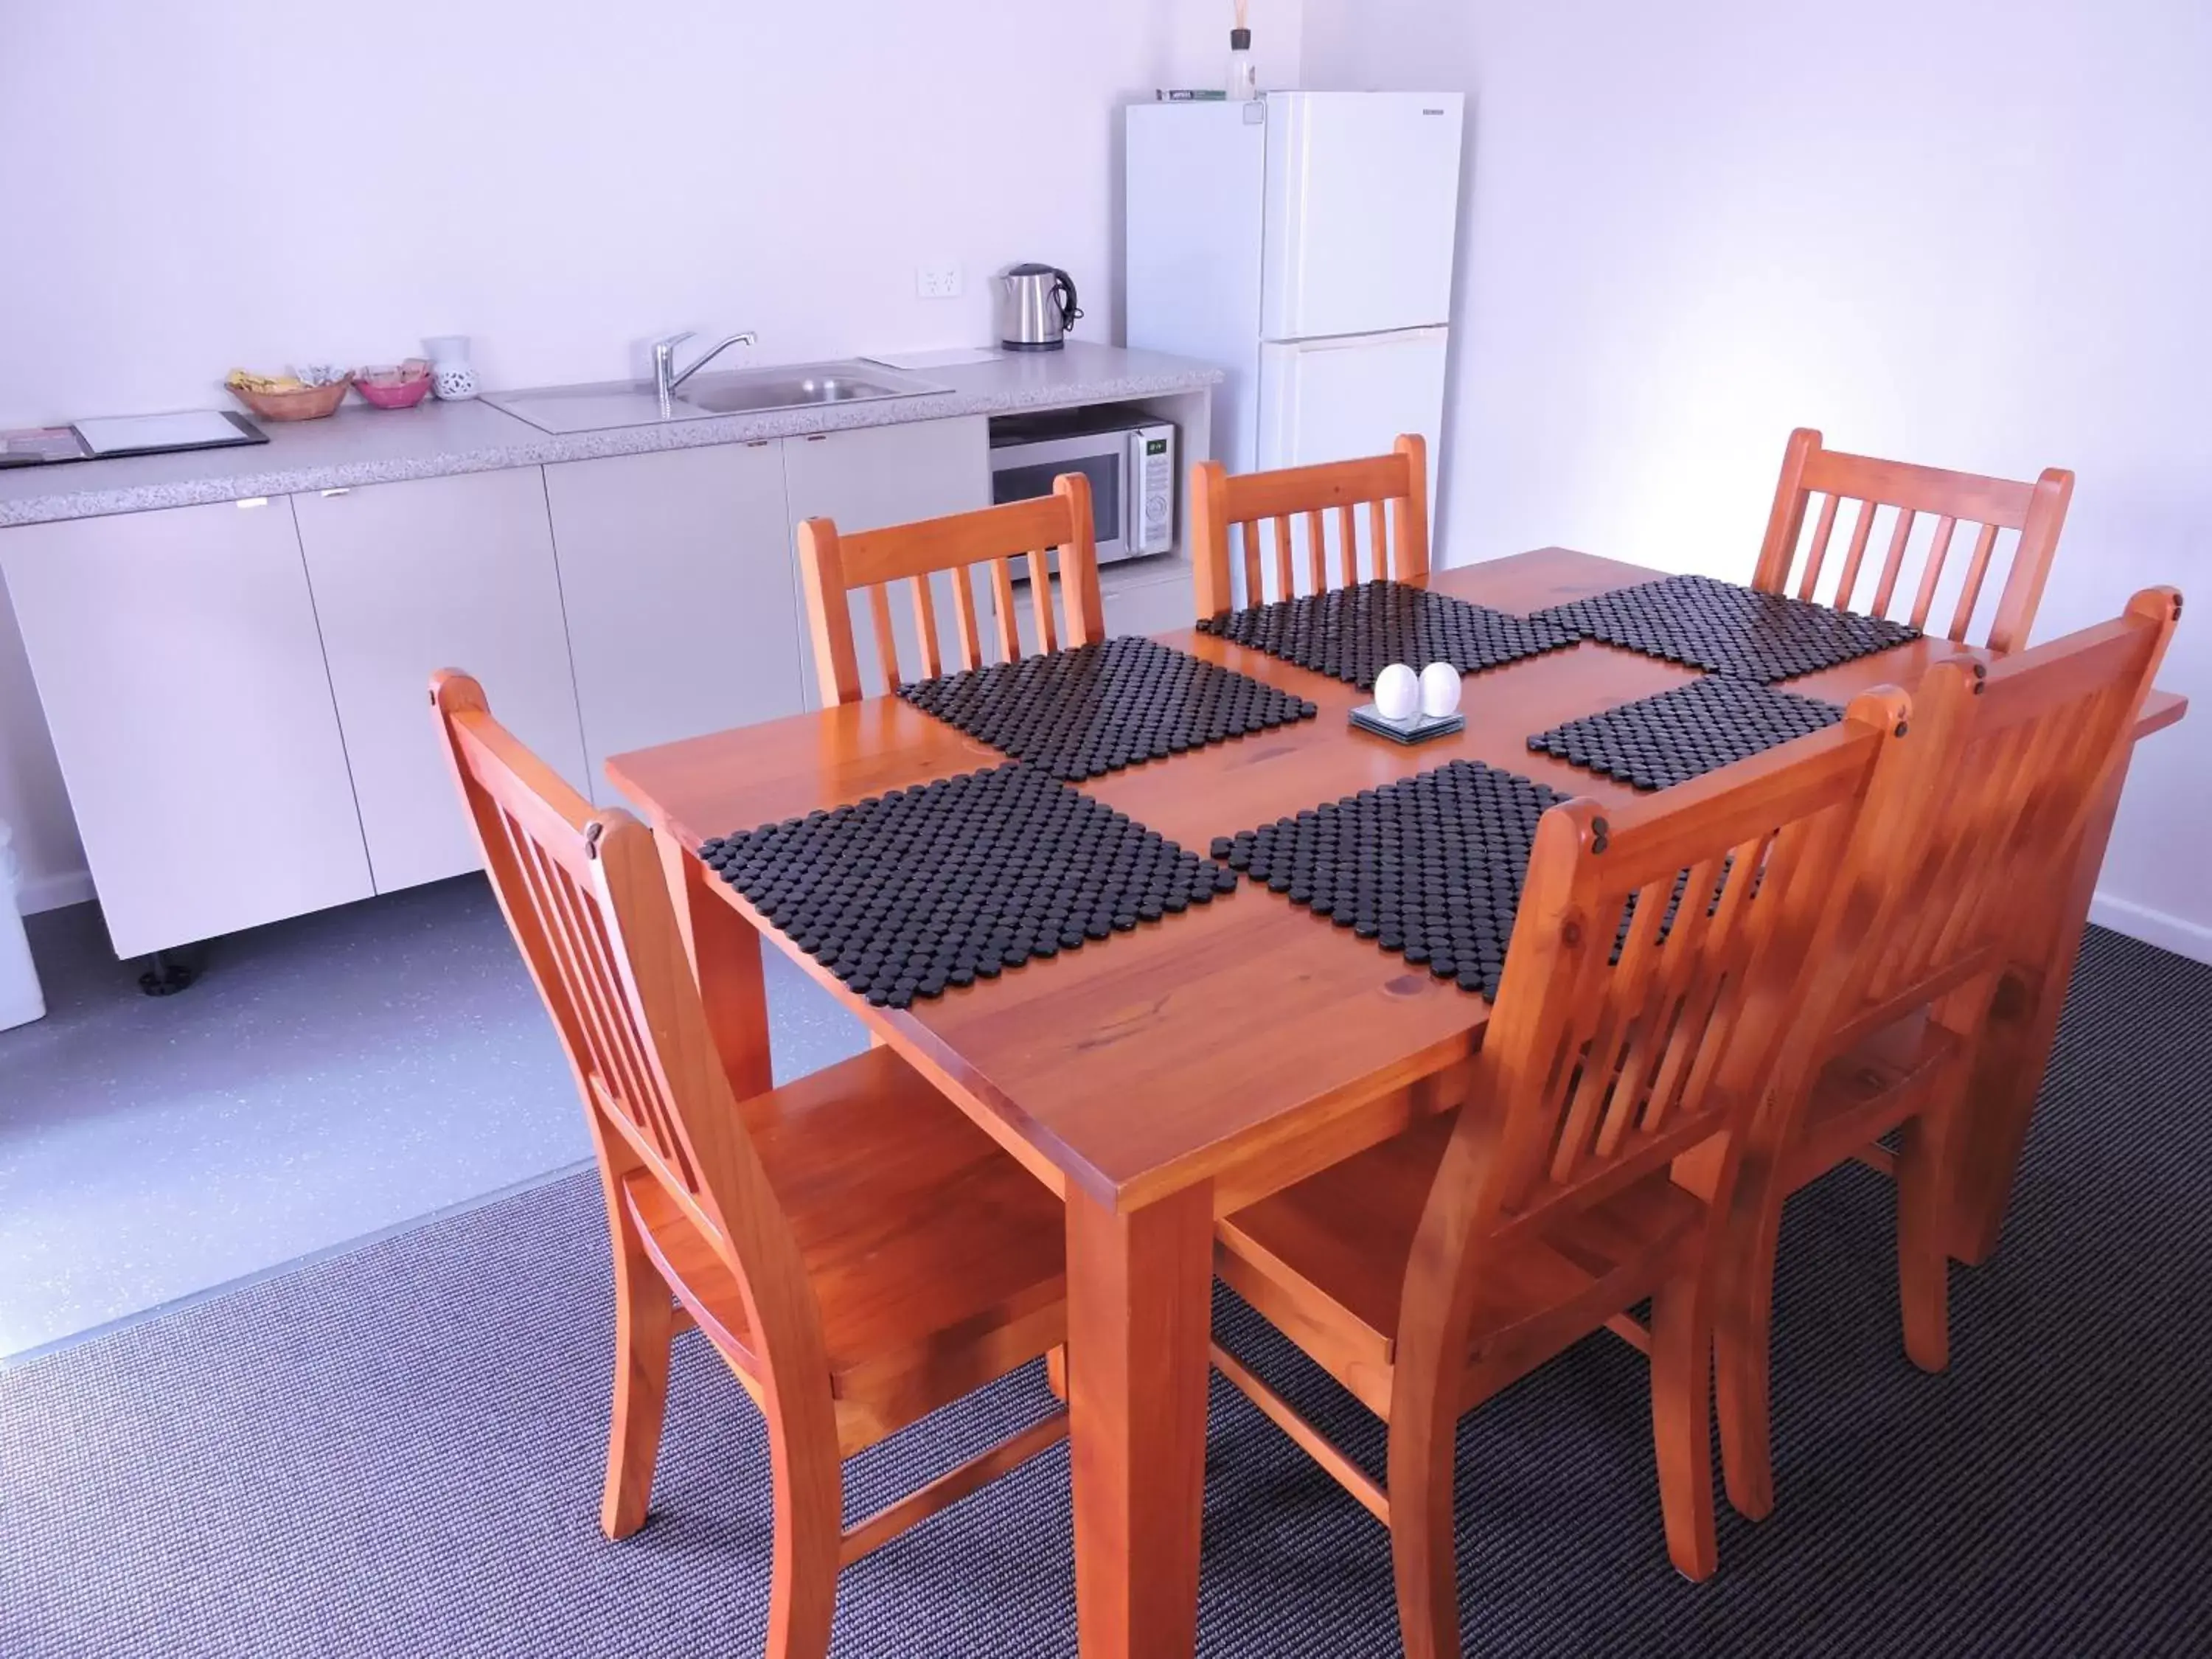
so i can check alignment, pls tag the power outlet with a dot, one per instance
(937, 281)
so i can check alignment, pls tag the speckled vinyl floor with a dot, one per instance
(327, 1078)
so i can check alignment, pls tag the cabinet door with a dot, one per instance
(886, 474)
(1152, 607)
(682, 609)
(177, 658)
(410, 578)
(1158, 606)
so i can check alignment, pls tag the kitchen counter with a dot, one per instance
(363, 445)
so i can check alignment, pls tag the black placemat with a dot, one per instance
(1352, 633)
(1095, 708)
(946, 883)
(1429, 867)
(1726, 629)
(1657, 742)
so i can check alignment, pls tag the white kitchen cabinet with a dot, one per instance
(177, 661)
(1153, 596)
(683, 606)
(1162, 601)
(884, 475)
(439, 573)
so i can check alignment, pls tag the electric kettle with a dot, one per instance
(1036, 307)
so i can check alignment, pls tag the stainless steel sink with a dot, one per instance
(743, 392)
(747, 393)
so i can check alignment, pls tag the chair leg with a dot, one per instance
(1055, 1373)
(808, 1539)
(1422, 1556)
(1682, 1421)
(1924, 1260)
(645, 1321)
(1742, 1318)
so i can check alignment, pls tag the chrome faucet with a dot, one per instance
(666, 377)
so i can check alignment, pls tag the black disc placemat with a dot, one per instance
(1095, 708)
(1429, 867)
(949, 881)
(1352, 633)
(1726, 629)
(1657, 742)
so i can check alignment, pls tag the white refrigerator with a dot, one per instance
(1303, 242)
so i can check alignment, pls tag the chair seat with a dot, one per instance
(1868, 1090)
(1325, 1260)
(937, 1262)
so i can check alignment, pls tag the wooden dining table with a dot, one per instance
(1164, 1077)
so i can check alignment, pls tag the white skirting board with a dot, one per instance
(52, 892)
(2184, 938)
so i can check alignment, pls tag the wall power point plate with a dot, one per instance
(940, 281)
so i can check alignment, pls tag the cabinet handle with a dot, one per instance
(251, 501)
(341, 490)
(817, 437)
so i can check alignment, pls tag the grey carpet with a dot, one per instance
(329, 1077)
(397, 1451)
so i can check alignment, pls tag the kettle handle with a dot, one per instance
(1063, 287)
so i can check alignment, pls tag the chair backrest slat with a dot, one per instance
(1002, 608)
(963, 610)
(834, 564)
(1818, 552)
(1938, 551)
(1261, 506)
(925, 625)
(584, 895)
(1862, 530)
(2035, 514)
(1040, 603)
(1892, 566)
(1970, 591)
(879, 615)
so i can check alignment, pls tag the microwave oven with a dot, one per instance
(1129, 459)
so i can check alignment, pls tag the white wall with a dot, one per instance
(1964, 232)
(561, 180)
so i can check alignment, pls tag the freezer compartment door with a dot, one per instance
(1362, 209)
(1336, 400)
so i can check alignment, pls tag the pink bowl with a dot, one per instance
(404, 394)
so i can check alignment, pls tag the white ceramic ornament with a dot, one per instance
(1397, 692)
(452, 378)
(1439, 690)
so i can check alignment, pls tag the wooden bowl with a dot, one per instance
(308, 403)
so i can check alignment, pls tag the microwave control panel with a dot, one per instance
(1155, 474)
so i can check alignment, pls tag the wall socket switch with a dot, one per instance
(940, 281)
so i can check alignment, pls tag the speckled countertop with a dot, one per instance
(364, 446)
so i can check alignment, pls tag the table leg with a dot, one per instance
(726, 959)
(1140, 1290)
(2014, 1049)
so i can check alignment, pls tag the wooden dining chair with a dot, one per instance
(1393, 488)
(1653, 976)
(965, 545)
(2036, 513)
(859, 1252)
(2010, 762)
